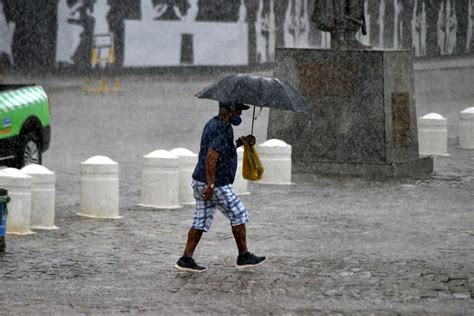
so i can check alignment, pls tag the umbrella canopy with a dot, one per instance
(255, 90)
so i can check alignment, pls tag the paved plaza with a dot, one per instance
(335, 246)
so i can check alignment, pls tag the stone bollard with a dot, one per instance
(275, 155)
(42, 196)
(187, 163)
(99, 188)
(240, 184)
(160, 186)
(433, 135)
(18, 185)
(466, 129)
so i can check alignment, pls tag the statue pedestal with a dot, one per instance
(363, 117)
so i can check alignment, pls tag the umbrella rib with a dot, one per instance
(234, 89)
(297, 94)
(284, 88)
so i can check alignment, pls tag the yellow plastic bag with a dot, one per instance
(252, 168)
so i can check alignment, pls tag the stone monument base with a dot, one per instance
(407, 169)
(362, 120)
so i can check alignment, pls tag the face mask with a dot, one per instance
(236, 121)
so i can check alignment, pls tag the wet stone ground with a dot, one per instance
(335, 246)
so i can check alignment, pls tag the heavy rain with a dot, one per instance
(366, 205)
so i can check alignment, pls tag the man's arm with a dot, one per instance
(211, 166)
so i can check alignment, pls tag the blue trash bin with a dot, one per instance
(4, 199)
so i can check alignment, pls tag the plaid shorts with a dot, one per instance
(225, 199)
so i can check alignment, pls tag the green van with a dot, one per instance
(25, 130)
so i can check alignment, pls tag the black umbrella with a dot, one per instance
(257, 91)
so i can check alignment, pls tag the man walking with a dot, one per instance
(212, 183)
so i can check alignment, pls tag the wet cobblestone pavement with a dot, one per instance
(334, 246)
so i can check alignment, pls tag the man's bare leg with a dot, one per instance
(186, 262)
(240, 235)
(194, 236)
(245, 259)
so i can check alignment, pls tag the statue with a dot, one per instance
(343, 19)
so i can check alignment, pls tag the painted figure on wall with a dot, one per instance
(261, 41)
(69, 32)
(172, 10)
(441, 31)
(86, 21)
(242, 12)
(343, 19)
(102, 35)
(191, 14)
(423, 30)
(451, 27)
(7, 30)
(265, 32)
(99, 13)
(469, 27)
(415, 30)
(446, 28)
(397, 24)
(150, 12)
(287, 36)
(419, 28)
(381, 23)
(296, 25)
(268, 27)
(302, 23)
(365, 39)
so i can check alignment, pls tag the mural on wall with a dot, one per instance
(7, 28)
(297, 24)
(148, 33)
(446, 28)
(418, 28)
(381, 23)
(81, 26)
(170, 33)
(397, 24)
(365, 39)
(191, 13)
(99, 12)
(185, 40)
(469, 26)
(265, 36)
(76, 21)
(69, 31)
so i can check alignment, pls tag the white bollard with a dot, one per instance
(99, 188)
(240, 184)
(275, 155)
(18, 185)
(187, 163)
(42, 196)
(433, 135)
(466, 129)
(160, 182)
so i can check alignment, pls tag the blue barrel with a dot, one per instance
(4, 199)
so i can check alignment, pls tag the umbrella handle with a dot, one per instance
(253, 119)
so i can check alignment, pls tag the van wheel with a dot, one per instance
(29, 151)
